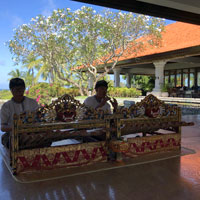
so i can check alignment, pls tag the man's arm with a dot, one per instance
(5, 118)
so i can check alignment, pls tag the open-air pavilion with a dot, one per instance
(176, 61)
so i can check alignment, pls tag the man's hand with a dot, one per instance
(114, 103)
(103, 102)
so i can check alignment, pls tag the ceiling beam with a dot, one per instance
(148, 9)
(187, 60)
(169, 66)
(168, 56)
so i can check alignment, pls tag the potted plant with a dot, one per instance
(164, 90)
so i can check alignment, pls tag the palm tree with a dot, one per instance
(38, 67)
(43, 69)
(16, 74)
(32, 64)
(28, 78)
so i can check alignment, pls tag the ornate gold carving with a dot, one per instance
(119, 146)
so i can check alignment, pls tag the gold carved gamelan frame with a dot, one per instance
(67, 118)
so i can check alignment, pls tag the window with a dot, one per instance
(198, 79)
(192, 78)
(172, 78)
(166, 77)
(178, 78)
(185, 77)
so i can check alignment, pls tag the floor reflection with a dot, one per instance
(190, 168)
(155, 179)
(111, 193)
(80, 192)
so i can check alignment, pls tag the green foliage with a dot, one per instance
(165, 87)
(44, 92)
(123, 92)
(71, 91)
(41, 92)
(27, 76)
(5, 94)
(144, 83)
(16, 74)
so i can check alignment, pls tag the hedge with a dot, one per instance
(123, 92)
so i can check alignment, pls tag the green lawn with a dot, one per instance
(5, 94)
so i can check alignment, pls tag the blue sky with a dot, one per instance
(14, 13)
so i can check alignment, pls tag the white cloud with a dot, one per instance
(16, 21)
(2, 63)
(49, 7)
(12, 19)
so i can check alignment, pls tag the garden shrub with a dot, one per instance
(41, 92)
(123, 92)
(71, 91)
(44, 92)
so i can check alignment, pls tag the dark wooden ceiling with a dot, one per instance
(173, 13)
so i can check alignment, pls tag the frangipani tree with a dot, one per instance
(75, 45)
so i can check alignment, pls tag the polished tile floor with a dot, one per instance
(172, 179)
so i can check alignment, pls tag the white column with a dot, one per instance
(159, 74)
(117, 77)
(128, 79)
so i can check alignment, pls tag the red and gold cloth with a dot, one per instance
(144, 145)
(62, 156)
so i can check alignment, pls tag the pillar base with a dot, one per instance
(155, 93)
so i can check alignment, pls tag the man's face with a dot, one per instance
(18, 93)
(101, 91)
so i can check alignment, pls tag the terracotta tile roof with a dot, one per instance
(176, 36)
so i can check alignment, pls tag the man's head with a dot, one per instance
(17, 87)
(101, 88)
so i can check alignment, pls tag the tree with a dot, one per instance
(31, 64)
(144, 83)
(26, 75)
(75, 46)
(16, 74)
(28, 78)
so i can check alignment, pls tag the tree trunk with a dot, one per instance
(81, 92)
